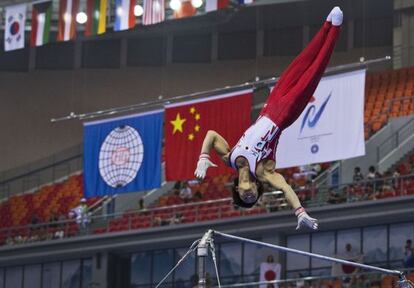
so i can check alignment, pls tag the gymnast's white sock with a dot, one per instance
(336, 16)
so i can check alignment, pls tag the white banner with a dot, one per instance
(14, 27)
(331, 127)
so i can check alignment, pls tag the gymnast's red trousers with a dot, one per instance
(298, 82)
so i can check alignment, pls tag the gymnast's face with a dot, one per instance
(247, 187)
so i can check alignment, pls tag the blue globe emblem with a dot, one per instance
(314, 148)
(121, 156)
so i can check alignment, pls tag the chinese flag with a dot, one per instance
(186, 125)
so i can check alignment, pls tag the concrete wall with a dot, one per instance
(403, 33)
(370, 158)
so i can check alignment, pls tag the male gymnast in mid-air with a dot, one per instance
(254, 155)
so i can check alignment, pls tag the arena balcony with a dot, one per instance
(357, 194)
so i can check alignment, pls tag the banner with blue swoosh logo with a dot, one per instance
(332, 125)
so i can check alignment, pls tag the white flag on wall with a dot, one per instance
(331, 127)
(14, 27)
(269, 272)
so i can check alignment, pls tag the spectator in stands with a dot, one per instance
(350, 255)
(353, 194)
(177, 187)
(198, 196)
(158, 221)
(35, 219)
(396, 179)
(408, 254)
(53, 220)
(337, 196)
(141, 204)
(82, 215)
(387, 188)
(308, 172)
(62, 218)
(186, 193)
(372, 173)
(176, 219)
(358, 176)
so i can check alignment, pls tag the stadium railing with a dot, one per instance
(271, 202)
(353, 280)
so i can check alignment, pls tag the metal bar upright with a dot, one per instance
(202, 253)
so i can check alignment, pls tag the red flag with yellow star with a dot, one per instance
(187, 123)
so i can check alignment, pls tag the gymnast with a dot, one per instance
(254, 155)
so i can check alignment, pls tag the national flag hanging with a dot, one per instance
(269, 272)
(187, 123)
(14, 27)
(41, 15)
(67, 20)
(245, 2)
(213, 5)
(96, 11)
(124, 15)
(154, 12)
(123, 154)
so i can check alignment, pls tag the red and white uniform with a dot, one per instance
(287, 100)
(257, 143)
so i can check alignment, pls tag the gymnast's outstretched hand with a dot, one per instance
(202, 165)
(304, 220)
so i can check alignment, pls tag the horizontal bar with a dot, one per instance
(313, 255)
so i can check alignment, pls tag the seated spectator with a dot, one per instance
(176, 219)
(53, 220)
(350, 255)
(62, 218)
(198, 196)
(337, 196)
(186, 193)
(387, 188)
(373, 174)
(177, 187)
(396, 183)
(158, 221)
(35, 219)
(352, 194)
(408, 254)
(141, 204)
(358, 176)
(308, 172)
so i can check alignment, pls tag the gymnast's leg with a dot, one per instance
(298, 83)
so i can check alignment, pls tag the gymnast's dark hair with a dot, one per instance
(236, 197)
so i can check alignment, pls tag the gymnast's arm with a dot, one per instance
(218, 143)
(277, 181)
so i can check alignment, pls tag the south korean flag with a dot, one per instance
(14, 27)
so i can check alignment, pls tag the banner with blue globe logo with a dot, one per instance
(123, 154)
